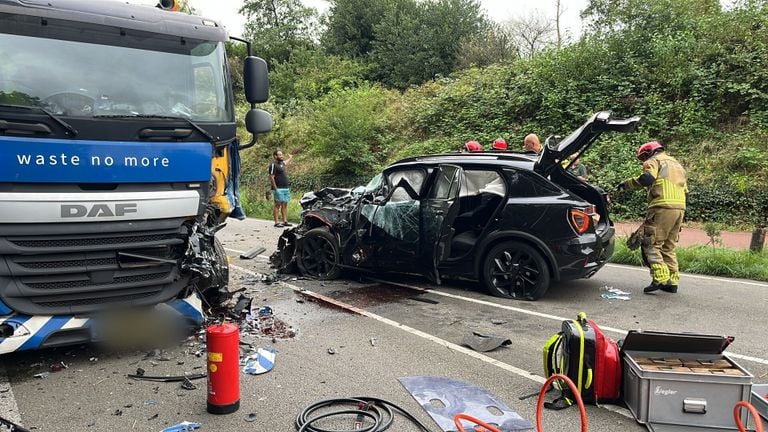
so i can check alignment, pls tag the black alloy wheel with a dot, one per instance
(317, 254)
(515, 270)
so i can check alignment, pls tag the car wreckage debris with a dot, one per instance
(253, 252)
(183, 427)
(484, 343)
(11, 426)
(179, 378)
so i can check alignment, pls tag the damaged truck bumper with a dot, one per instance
(19, 332)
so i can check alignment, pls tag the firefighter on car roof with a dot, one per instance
(665, 179)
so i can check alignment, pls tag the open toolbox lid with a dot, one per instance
(652, 341)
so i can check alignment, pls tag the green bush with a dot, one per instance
(706, 260)
(351, 130)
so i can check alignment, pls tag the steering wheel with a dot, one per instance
(70, 103)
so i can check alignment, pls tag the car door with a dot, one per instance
(438, 211)
(391, 235)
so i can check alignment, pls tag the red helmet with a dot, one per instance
(473, 147)
(500, 144)
(646, 150)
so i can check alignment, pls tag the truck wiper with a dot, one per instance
(70, 130)
(161, 117)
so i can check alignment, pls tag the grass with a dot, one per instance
(707, 260)
(258, 207)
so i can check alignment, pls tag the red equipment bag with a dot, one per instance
(589, 358)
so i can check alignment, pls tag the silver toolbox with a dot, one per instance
(760, 402)
(667, 395)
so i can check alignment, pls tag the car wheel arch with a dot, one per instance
(500, 237)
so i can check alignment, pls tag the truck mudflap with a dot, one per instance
(28, 332)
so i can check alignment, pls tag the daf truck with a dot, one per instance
(118, 164)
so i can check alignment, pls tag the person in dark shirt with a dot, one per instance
(278, 177)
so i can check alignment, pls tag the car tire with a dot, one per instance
(515, 270)
(217, 292)
(317, 254)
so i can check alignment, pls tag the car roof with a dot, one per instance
(501, 159)
(120, 14)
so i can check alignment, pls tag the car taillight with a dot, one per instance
(580, 219)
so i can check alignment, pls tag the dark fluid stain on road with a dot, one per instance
(372, 295)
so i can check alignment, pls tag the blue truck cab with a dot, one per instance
(118, 163)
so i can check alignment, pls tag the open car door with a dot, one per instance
(438, 211)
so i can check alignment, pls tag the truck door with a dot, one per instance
(438, 211)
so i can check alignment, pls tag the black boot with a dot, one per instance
(652, 287)
(669, 287)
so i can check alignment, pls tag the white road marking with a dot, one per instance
(450, 345)
(539, 314)
(239, 252)
(8, 407)
(693, 276)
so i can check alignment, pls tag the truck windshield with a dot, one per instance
(144, 76)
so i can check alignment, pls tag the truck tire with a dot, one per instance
(317, 254)
(515, 270)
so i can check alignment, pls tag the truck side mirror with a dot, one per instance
(255, 80)
(258, 121)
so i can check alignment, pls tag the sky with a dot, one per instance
(225, 11)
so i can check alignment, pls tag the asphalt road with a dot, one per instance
(414, 333)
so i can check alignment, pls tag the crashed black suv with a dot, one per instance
(515, 222)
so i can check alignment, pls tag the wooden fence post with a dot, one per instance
(758, 240)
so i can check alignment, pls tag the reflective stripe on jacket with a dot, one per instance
(669, 184)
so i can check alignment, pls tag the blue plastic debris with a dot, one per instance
(183, 427)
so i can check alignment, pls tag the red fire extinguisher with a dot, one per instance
(223, 343)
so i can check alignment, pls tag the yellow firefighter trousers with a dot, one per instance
(661, 231)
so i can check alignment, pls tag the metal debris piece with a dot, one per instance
(253, 252)
(153, 417)
(43, 375)
(178, 378)
(460, 397)
(331, 351)
(188, 385)
(251, 417)
(183, 427)
(373, 341)
(484, 343)
(140, 372)
(498, 322)
(150, 402)
(93, 359)
(117, 412)
(243, 303)
(12, 427)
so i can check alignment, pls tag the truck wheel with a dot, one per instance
(515, 270)
(317, 254)
(216, 289)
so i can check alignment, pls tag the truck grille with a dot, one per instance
(51, 272)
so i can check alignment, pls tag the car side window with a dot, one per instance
(445, 184)
(414, 177)
(527, 185)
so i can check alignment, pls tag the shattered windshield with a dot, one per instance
(121, 76)
(399, 216)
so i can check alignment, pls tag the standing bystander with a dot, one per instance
(278, 177)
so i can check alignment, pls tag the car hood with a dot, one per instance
(583, 137)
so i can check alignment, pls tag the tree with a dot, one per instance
(349, 28)
(532, 33)
(414, 42)
(277, 27)
(493, 45)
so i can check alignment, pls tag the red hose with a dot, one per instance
(576, 395)
(752, 410)
(459, 417)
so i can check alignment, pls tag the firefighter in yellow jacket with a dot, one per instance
(665, 179)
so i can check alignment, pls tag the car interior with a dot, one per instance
(481, 194)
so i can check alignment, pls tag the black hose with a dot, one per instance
(379, 411)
